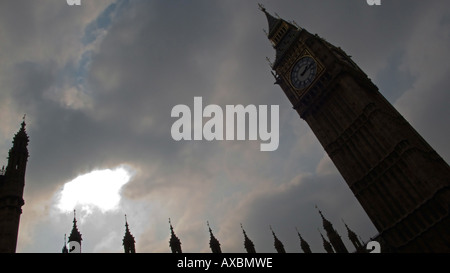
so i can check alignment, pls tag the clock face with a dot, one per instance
(303, 72)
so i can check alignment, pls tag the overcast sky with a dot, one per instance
(98, 83)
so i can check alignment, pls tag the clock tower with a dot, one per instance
(12, 183)
(399, 180)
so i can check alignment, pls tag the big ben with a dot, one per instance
(398, 178)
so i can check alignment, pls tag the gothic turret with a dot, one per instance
(75, 235)
(213, 242)
(326, 245)
(303, 244)
(277, 243)
(12, 183)
(18, 154)
(354, 239)
(333, 236)
(174, 242)
(64, 249)
(128, 239)
(248, 244)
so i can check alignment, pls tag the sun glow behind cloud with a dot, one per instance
(97, 189)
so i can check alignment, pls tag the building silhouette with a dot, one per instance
(333, 236)
(12, 183)
(174, 242)
(357, 243)
(303, 244)
(326, 245)
(128, 240)
(65, 249)
(277, 243)
(75, 236)
(213, 242)
(398, 178)
(248, 244)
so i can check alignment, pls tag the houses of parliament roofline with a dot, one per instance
(129, 241)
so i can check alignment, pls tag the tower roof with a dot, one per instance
(326, 224)
(303, 244)
(22, 132)
(75, 235)
(128, 238)
(326, 244)
(213, 242)
(272, 21)
(174, 242)
(19, 151)
(64, 249)
(277, 243)
(248, 244)
(351, 234)
(281, 34)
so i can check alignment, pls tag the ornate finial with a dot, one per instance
(174, 242)
(276, 14)
(320, 212)
(295, 24)
(23, 122)
(344, 223)
(171, 227)
(261, 7)
(265, 32)
(243, 230)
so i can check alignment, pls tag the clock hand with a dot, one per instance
(304, 71)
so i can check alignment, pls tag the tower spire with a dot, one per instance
(213, 242)
(333, 236)
(326, 244)
(278, 30)
(277, 243)
(128, 239)
(64, 249)
(248, 244)
(342, 106)
(303, 244)
(174, 242)
(75, 234)
(12, 183)
(272, 21)
(354, 238)
(18, 154)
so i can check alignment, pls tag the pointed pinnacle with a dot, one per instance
(261, 7)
